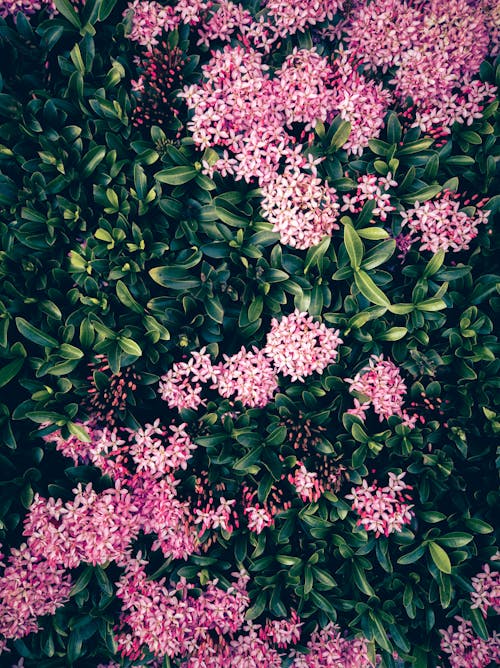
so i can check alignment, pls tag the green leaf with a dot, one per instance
(340, 137)
(369, 290)
(359, 577)
(415, 146)
(412, 556)
(478, 526)
(214, 309)
(34, 334)
(258, 607)
(79, 431)
(432, 304)
(129, 346)
(106, 8)
(10, 371)
(477, 619)
(175, 278)
(176, 176)
(422, 195)
(372, 233)
(316, 254)
(125, 297)
(90, 162)
(455, 539)
(65, 7)
(393, 334)
(439, 557)
(434, 264)
(354, 246)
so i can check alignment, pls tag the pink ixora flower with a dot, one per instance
(247, 376)
(148, 20)
(27, 7)
(298, 345)
(466, 650)
(306, 484)
(182, 385)
(486, 592)
(380, 385)
(382, 509)
(440, 224)
(328, 648)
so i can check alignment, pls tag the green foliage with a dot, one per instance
(113, 243)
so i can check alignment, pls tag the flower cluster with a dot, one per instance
(296, 346)
(160, 73)
(306, 484)
(371, 188)
(240, 108)
(435, 49)
(248, 376)
(299, 346)
(27, 7)
(382, 509)
(486, 592)
(466, 650)
(148, 19)
(380, 385)
(30, 587)
(300, 207)
(327, 648)
(440, 224)
(181, 386)
(171, 622)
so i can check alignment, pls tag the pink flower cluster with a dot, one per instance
(382, 509)
(148, 20)
(248, 376)
(30, 587)
(306, 484)
(327, 648)
(94, 527)
(181, 386)
(171, 622)
(486, 592)
(296, 346)
(301, 207)
(299, 346)
(466, 650)
(436, 47)
(27, 7)
(371, 188)
(440, 224)
(380, 385)
(240, 109)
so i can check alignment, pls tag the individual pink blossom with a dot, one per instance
(466, 650)
(486, 592)
(248, 376)
(298, 345)
(440, 224)
(327, 648)
(382, 509)
(148, 20)
(306, 484)
(380, 384)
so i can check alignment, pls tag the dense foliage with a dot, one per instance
(248, 363)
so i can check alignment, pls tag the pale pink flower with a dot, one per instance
(149, 19)
(258, 518)
(298, 345)
(247, 376)
(440, 224)
(466, 650)
(382, 509)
